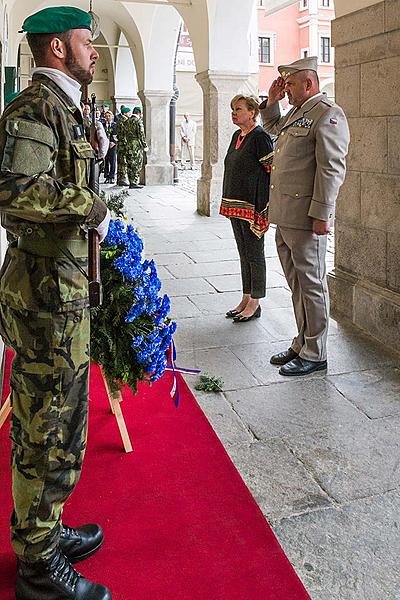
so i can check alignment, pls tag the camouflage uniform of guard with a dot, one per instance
(131, 145)
(44, 315)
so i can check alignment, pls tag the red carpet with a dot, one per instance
(179, 522)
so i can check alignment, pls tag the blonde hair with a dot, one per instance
(250, 102)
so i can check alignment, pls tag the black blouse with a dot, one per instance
(246, 179)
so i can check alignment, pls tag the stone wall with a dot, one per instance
(365, 284)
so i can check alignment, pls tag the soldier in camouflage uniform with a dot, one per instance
(46, 206)
(131, 148)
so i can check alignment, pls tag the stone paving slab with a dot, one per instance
(215, 332)
(182, 308)
(206, 269)
(293, 407)
(219, 362)
(375, 392)
(347, 553)
(173, 258)
(216, 256)
(279, 483)
(184, 287)
(360, 458)
(226, 424)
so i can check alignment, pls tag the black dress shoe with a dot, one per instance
(78, 544)
(135, 186)
(283, 357)
(55, 579)
(301, 366)
(241, 319)
(232, 313)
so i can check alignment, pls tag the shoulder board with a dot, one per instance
(327, 101)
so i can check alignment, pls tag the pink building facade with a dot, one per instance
(300, 30)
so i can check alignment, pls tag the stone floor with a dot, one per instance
(321, 454)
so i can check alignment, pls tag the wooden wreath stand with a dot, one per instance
(115, 398)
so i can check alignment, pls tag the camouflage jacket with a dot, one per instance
(44, 198)
(130, 134)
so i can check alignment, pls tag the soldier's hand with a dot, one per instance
(321, 227)
(276, 91)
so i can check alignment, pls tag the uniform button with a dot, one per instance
(283, 133)
(272, 186)
(273, 168)
(296, 195)
(77, 319)
(278, 150)
(29, 230)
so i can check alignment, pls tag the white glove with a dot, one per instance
(102, 229)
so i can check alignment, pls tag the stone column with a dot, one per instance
(158, 169)
(365, 283)
(218, 90)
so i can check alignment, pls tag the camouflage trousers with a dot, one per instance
(49, 396)
(130, 165)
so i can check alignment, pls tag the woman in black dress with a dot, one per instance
(245, 201)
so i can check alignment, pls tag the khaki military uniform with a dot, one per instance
(307, 172)
(45, 205)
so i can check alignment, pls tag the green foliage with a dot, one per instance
(116, 203)
(209, 383)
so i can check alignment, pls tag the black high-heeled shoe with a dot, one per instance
(232, 313)
(241, 319)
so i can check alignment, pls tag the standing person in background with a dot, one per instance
(245, 201)
(188, 140)
(118, 115)
(46, 206)
(309, 168)
(122, 147)
(131, 146)
(111, 156)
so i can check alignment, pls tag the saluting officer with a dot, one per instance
(308, 169)
(47, 206)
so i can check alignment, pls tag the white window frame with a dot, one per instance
(330, 7)
(301, 7)
(271, 36)
(325, 34)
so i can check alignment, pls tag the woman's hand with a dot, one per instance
(276, 91)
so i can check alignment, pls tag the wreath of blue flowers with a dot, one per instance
(131, 331)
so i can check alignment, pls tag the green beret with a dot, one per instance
(106, 105)
(139, 108)
(57, 19)
(125, 109)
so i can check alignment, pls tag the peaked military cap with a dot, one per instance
(125, 109)
(57, 19)
(304, 64)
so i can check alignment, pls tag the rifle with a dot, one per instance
(94, 242)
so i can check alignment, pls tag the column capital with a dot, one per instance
(221, 78)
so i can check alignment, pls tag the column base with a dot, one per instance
(209, 196)
(159, 174)
(374, 309)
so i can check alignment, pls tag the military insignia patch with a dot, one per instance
(333, 121)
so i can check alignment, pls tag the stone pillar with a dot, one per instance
(158, 169)
(365, 283)
(218, 90)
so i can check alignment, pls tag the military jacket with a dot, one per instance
(309, 164)
(130, 134)
(45, 198)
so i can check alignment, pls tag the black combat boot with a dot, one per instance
(78, 544)
(55, 579)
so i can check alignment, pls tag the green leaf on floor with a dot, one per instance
(209, 383)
